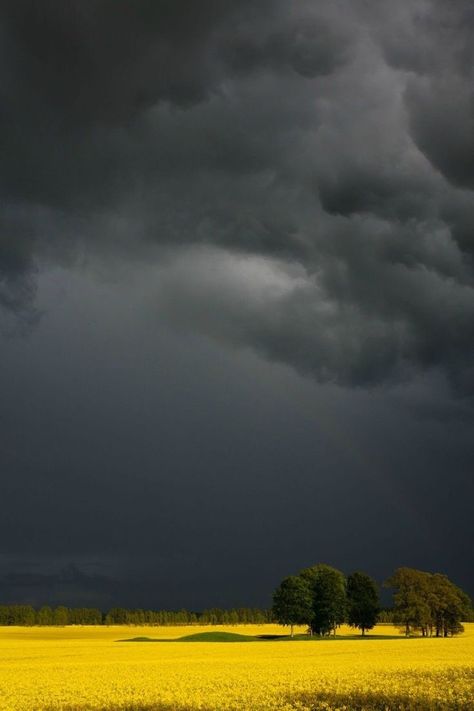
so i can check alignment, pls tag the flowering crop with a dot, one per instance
(89, 668)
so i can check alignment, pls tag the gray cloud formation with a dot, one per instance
(172, 471)
(302, 173)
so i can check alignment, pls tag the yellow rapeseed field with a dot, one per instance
(89, 668)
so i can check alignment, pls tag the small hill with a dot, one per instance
(217, 637)
(201, 637)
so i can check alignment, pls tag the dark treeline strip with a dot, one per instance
(386, 616)
(213, 616)
(26, 615)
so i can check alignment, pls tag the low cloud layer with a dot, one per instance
(300, 173)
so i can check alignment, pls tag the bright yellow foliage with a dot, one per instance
(88, 668)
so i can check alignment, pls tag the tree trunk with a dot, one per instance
(291, 630)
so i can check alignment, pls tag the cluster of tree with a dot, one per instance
(26, 615)
(322, 598)
(428, 603)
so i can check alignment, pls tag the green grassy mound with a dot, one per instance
(201, 637)
(218, 637)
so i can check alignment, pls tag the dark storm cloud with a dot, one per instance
(313, 154)
(436, 47)
(106, 61)
(196, 195)
(69, 586)
(174, 472)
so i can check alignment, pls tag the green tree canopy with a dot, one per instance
(411, 599)
(61, 615)
(44, 616)
(328, 588)
(362, 601)
(428, 602)
(292, 602)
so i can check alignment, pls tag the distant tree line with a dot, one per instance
(213, 616)
(26, 615)
(322, 598)
(386, 616)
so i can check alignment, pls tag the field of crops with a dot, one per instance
(89, 668)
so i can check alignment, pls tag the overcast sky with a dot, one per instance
(236, 295)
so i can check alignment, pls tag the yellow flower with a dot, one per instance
(59, 669)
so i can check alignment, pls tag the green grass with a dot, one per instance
(201, 637)
(218, 637)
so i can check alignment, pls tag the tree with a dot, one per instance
(411, 599)
(362, 601)
(21, 615)
(61, 616)
(85, 616)
(328, 588)
(45, 616)
(449, 605)
(428, 602)
(116, 616)
(292, 602)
